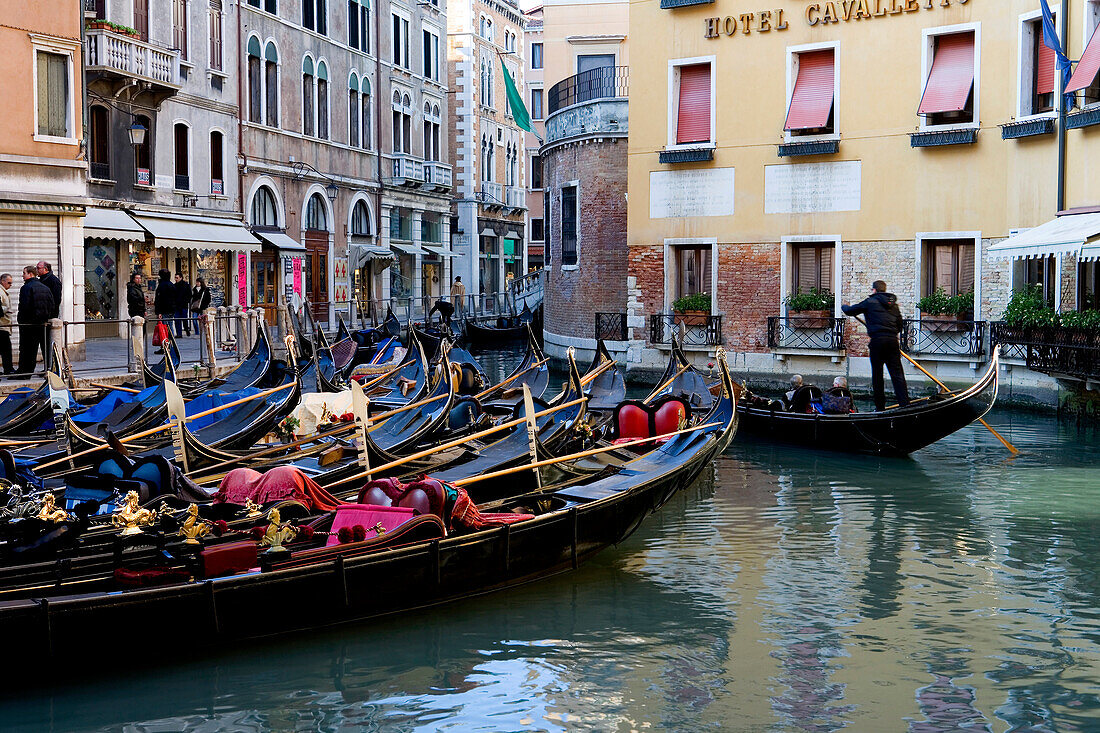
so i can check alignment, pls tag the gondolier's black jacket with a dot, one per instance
(883, 315)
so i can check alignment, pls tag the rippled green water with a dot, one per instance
(785, 591)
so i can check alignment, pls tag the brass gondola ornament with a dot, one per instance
(193, 528)
(276, 533)
(252, 509)
(51, 512)
(132, 516)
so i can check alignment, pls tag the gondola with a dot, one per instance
(533, 371)
(898, 431)
(250, 372)
(319, 372)
(370, 341)
(154, 375)
(502, 330)
(437, 558)
(431, 336)
(606, 390)
(407, 383)
(27, 411)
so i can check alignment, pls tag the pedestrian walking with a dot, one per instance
(200, 301)
(36, 304)
(5, 323)
(183, 306)
(883, 326)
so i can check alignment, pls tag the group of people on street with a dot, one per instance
(174, 302)
(39, 301)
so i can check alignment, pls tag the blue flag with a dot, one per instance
(1062, 62)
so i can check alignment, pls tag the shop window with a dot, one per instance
(182, 140)
(693, 111)
(693, 267)
(217, 182)
(812, 267)
(949, 89)
(99, 146)
(811, 108)
(949, 264)
(569, 225)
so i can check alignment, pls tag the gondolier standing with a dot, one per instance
(883, 326)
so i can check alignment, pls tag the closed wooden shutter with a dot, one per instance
(1088, 66)
(812, 98)
(693, 112)
(30, 239)
(53, 94)
(943, 262)
(1044, 63)
(966, 269)
(952, 75)
(271, 85)
(813, 268)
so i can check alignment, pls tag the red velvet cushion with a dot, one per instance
(668, 417)
(633, 422)
(147, 577)
(369, 516)
(229, 558)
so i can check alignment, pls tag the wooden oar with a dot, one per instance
(1011, 448)
(575, 456)
(345, 427)
(120, 388)
(510, 379)
(667, 382)
(591, 376)
(459, 441)
(384, 375)
(161, 428)
(396, 411)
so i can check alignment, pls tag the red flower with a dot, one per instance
(359, 533)
(344, 535)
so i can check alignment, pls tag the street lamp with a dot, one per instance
(137, 133)
(331, 190)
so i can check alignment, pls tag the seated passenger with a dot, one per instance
(796, 384)
(838, 399)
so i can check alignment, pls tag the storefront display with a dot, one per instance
(101, 281)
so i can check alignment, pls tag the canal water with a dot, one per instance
(785, 591)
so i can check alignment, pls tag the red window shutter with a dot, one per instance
(693, 112)
(1044, 66)
(952, 75)
(1088, 66)
(812, 99)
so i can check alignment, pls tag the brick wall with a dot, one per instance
(748, 292)
(598, 284)
(996, 285)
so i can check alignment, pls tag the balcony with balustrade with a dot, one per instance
(407, 170)
(119, 60)
(439, 176)
(491, 195)
(515, 198)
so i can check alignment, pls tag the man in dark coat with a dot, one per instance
(183, 306)
(135, 296)
(36, 306)
(883, 326)
(51, 281)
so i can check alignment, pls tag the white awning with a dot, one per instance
(407, 247)
(281, 242)
(198, 232)
(111, 224)
(487, 232)
(512, 234)
(440, 250)
(1064, 235)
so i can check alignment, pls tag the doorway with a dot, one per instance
(264, 291)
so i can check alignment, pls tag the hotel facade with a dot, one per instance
(825, 145)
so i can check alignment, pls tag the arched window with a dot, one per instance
(182, 139)
(322, 100)
(360, 220)
(431, 131)
(406, 123)
(271, 84)
(308, 83)
(315, 214)
(353, 108)
(365, 117)
(255, 83)
(99, 148)
(264, 209)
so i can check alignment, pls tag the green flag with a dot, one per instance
(515, 101)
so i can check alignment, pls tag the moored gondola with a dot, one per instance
(499, 331)
(897, 431)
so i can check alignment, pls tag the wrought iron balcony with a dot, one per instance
(691, 330)
(438, 175)
(407, 170)
(112, 54)
(809, 333)
(611, 326)
(515, 197)
(604, 82)
(1054, 350)
(937, 337)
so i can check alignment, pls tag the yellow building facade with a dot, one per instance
(830, 144)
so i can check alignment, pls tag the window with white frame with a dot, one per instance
(432, 124)
(400, 41)
(950, 93)
(431, 55)
(812, 84)
(315, 16)
(1089, 81)
(536, 172)
(353, 110)
(255, 81)
(1037, 75)
(216, 19)
(536, 104)
(692, 268)
(536, 55)
(486, 79)
(691, 112)
(367, 139)
(264, 211)
(359, 25)
(217, 163)
(402, 122)
(54, 95)
(271, 6)
(309, 114)
(1088, 285)
(179, 27)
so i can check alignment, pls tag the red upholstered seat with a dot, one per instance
(229, 558)
(369, 516)
(633, 422)
(668, 417)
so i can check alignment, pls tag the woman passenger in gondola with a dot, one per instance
(838, 399)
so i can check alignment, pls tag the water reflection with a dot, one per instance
(786, 590)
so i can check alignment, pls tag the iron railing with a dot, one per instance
(943, 338)
(806, 332)
(1073, 352)
(101, 171)
(611, 326)
(690, 330)
(604, 82)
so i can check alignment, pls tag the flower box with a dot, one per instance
(692, 318)
(811, 319)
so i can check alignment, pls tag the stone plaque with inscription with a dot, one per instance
(812, 188)
(674, 194)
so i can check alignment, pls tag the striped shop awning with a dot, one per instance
(1075, 234)
(1088, 66)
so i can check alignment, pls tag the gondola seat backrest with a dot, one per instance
(470, 381)
(371, 517)
(806, 399)
(634, 419)
(465, 413)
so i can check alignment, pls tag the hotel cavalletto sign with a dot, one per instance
(831, 11)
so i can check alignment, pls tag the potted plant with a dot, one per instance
(945, 310)
(692, 310)
(814, 308)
